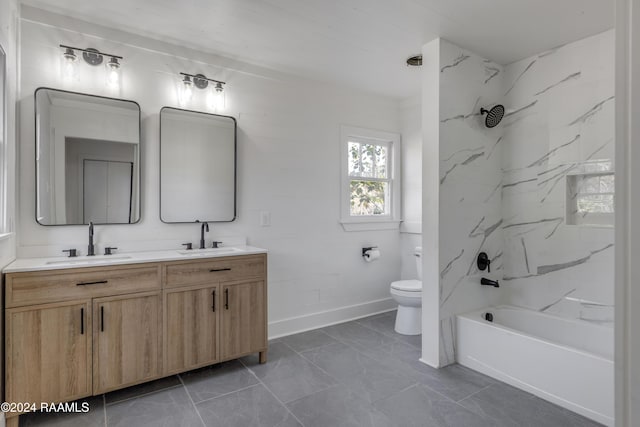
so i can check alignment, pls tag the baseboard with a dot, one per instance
(294, 325)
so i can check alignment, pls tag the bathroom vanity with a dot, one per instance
(81, 327)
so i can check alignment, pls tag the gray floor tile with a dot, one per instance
(167, 408)
(289, 375)
(307, 340)
(93, 418)
(337, 406)
(253, 406)
(509, 406)
(213, 381)
(454, 381)
(419, 406)
(385, 324)
(142, 389)
(363, 375)
(358, 336)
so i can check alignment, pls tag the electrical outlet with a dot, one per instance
(265, 219)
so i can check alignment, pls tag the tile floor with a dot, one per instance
(359, 373)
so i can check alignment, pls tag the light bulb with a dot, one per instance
(113, 73)
(69, 59)
(186, 91)
(219, 98)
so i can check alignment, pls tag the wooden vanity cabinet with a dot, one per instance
(244, 319)
(126, 339)
(48, 352)
(73, 333)
(191, 327)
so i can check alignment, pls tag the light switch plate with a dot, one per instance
(265, 219)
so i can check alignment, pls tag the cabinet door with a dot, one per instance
(191, 328)
(48, 352)
(126, 340)
(244, 318)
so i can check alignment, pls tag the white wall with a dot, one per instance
(9, 25)
(563, 123)
(288, 165)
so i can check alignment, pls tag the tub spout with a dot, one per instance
(488, 282)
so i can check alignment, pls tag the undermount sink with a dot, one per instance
(209, 251)
(85, 261)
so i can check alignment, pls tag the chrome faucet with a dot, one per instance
(205, 227)
(91, 249)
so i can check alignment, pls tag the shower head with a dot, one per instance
(494, 115)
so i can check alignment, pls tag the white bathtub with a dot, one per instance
(567, 362)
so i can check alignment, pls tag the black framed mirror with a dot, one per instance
(87, 159)
(197, 166)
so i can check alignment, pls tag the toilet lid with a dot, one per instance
(407, 285)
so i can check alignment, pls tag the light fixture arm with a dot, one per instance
(201, 77)
(89, 50)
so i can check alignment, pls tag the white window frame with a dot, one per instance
(370, 222)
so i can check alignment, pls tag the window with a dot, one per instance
(370, 179)
(591, 198)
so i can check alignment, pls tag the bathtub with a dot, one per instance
(565, 361)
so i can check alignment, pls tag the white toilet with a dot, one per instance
(408, 295)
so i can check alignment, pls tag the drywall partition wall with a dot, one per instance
(559, 126)
(470, 180)
(430, 203)
(9, 25)
(288, 166)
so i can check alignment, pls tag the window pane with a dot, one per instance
(596, 203)
(368, 160)
(369, 198)
(354, 159)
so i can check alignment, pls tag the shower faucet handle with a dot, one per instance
(484, 262)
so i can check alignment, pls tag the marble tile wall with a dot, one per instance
(470, 187)
(559, 121)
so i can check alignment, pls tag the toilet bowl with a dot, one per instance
(408, 295)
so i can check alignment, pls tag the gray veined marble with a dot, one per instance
(446, 174)
(545, 269)
(520, 110)
(492, 71)
(566, 79)
(593, 111)
(464, 150)
(493, 147)
(456, 62)
(546, 157)
(450, 264)
(526, 257)
(559, 300)
(527, 68)
(514, 184)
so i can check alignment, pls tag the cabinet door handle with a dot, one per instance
(100, 282)
(213, 304)
(82, 321)
(102, 318)
(226, 299)
(213, 270)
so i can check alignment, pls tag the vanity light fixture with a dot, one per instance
(215, 94)
(92, 57)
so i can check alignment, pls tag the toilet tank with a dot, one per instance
(418, 254)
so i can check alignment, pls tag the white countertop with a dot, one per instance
(58, 263)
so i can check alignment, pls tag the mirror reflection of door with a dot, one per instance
(107, 191)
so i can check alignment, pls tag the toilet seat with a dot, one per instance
(407, 285)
